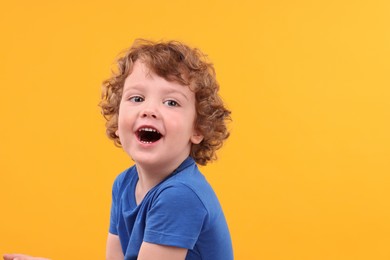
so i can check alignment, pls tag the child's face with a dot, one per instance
(156, 119)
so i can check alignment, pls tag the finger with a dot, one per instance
(10, 256)
(16, 257)
(13, 257)
(21, 257)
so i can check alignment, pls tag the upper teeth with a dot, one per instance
(148, 129)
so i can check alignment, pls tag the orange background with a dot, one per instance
(305, 174)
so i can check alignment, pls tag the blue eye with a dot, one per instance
(136, 99)
(171, 103)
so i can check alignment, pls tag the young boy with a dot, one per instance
(162, 106)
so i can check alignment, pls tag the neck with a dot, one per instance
(149, 177)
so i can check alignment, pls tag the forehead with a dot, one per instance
(142, 76)
(139, 70)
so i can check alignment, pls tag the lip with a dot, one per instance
(147, 127)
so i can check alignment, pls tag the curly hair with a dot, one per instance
(173, 61)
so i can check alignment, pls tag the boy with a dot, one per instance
(162, 106)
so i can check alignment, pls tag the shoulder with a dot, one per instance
(120, 178)
(176, 192)
(188, 190)
(123, 179)
(187, 184)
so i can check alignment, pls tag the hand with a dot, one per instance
(21, 257)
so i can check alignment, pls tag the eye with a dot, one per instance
(171, 103)
(136, 99)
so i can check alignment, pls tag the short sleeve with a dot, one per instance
(113, 229)
(175, 218)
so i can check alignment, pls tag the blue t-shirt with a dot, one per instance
(181, 211)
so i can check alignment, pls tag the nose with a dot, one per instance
(148, 113)
(149, 110)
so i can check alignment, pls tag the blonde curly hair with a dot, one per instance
(173, 61)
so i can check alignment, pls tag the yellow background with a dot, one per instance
(305, 174)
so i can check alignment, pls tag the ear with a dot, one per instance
(196, 138)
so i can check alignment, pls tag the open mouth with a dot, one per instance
(148, 135)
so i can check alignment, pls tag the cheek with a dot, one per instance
(120, 122)
(124, 125)
(184, 120)
(124, 115)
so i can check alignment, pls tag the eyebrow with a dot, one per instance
(136, 87)
(178, 92)
(139, 87)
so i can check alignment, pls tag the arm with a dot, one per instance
(113, 248)
(21, 257)
(151, 251)
(173, 225)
